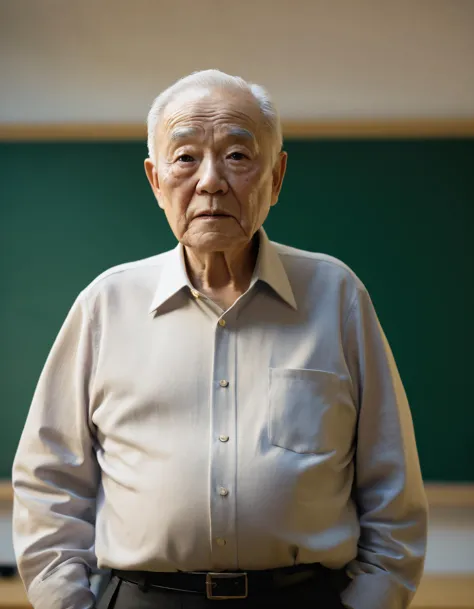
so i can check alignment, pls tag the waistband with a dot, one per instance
(235, 584)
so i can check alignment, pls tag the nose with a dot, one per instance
(211, 179)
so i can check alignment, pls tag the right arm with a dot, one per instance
(56, 475)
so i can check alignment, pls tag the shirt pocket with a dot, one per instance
(303, 410)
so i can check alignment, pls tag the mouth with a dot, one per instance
(210, 215)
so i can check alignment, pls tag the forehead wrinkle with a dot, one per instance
(227, 117)
(213, 113)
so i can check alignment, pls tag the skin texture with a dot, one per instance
(215, 179)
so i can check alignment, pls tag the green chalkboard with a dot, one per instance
(400, 213)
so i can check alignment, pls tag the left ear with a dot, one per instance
(278, 173)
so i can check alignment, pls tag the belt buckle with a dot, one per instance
(212, 582)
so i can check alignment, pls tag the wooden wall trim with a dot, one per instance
(363, 128)
(445, 592)
(378, 128)
(450, 495)
(6, 491)
(71, 131)
(439, 495)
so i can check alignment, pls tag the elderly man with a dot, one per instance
(224, 421)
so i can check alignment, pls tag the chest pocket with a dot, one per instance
(304, 413)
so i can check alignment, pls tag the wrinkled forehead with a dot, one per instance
(232, 112)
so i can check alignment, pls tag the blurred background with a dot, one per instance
(377, 104)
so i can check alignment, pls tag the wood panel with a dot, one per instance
(363, 128)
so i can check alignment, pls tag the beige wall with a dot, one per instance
(105, 60)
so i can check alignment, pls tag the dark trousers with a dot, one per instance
(311, 594)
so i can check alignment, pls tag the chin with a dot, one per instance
(213, 241)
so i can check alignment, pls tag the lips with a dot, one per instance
(212, 214)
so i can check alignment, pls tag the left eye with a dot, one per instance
(237, 156)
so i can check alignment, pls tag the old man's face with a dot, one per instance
(215, 175)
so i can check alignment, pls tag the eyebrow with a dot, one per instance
(241, 132)
(183, 133)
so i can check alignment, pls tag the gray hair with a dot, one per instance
(216, 79)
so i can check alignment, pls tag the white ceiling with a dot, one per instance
(105, 60)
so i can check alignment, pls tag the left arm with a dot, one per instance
(388, 484)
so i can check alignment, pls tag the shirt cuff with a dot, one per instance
(375, 591)
(66, 588)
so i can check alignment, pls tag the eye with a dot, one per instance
(237, 156)
(186, 158)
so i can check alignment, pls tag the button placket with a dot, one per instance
(223, 454)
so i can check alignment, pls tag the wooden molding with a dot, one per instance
(439, 495)
(380, 128)
(445, 592)
(13, 595)
(6, 491)
(71, 131)
(450, 495)
(324, 129)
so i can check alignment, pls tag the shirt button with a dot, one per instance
(223, 492)
(222, 322)
(224, 383)
(224, 438)
(221, 542)
(195, 293)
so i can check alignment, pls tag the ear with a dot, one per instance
(152, 176)
(279, 169)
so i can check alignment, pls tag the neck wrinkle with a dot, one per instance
(218, 271)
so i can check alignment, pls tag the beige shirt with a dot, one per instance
(167, 434)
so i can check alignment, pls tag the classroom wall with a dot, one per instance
(93, 61)
(89, 61)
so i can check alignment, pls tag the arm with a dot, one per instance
(55, 476)
(388, 486)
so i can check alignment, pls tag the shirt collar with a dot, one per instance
(173, 277)
(269, 269)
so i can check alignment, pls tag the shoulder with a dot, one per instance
(139, 273)
(316, 264)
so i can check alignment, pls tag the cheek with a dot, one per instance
(254, 191)
(248, 184)
(176, 198)
(170, 182)
(177, 192)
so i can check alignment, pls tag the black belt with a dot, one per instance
(225, 585)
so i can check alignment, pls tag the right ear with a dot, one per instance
(152, 176)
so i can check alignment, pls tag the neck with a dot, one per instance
(222, 276)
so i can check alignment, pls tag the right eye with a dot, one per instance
(185, 158)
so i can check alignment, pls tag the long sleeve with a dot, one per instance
(55, 475)
(388, 486)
